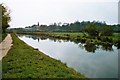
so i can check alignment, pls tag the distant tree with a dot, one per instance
(59, 24)
(5, 17)
(91, 29)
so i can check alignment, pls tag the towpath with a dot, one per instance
(5, 46)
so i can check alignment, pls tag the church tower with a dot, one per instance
(38, 23)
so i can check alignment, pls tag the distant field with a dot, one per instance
(73, 35)
(115, 36)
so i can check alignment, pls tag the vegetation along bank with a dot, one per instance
(80, 37)
(24, 61)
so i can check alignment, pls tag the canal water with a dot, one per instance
(101, 62)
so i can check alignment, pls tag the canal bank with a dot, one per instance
(79, 37)
(100, 62)
(24, 61)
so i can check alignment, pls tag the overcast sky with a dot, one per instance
(28, 12)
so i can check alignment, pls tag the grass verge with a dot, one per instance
(2, 36)
(23, 61)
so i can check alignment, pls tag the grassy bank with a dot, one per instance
(23, 61)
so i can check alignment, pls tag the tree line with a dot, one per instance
(73, 27)
(5, 17)
(94, 28)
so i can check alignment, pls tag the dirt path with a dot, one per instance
(5, 46)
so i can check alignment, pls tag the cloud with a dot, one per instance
(28, 12)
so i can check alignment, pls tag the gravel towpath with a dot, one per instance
(5, 46)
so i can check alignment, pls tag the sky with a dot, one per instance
(28, 12)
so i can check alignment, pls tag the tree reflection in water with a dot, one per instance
(89, 45)
(107, 47)
(90, 48)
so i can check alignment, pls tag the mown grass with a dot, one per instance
(72, 35)
(23, 61)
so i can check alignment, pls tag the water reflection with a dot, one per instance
(107, 48)
(102, 64)
(88, 46)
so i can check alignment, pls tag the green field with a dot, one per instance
(116, 36)
(81, 37)
(24, 61)
(75, 34)
(72, 35)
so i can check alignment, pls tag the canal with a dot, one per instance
(99, 62)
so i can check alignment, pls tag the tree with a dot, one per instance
(92, 30)
(5, 17)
